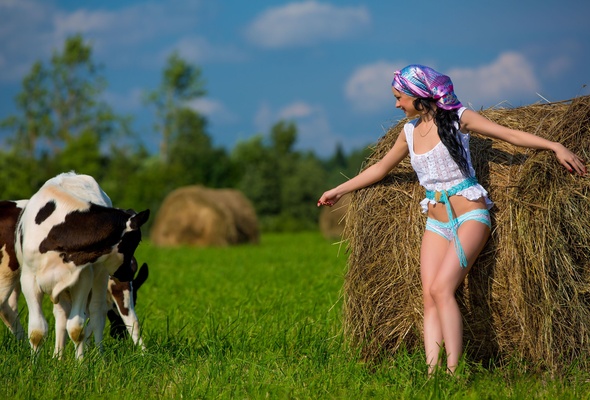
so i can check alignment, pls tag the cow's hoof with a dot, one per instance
(77, 334)
(36, 338)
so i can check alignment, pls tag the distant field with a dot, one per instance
(251, 322)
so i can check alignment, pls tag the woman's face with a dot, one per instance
(405, 103)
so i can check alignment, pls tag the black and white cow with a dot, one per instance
(69, 239)
(121, 300)
(121, 296)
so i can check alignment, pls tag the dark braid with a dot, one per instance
(447, 121)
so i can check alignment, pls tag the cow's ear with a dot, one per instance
(139, 219)
(141, 277)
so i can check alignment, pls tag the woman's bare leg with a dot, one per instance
(441, 276)
(473, 236)
(433, 250)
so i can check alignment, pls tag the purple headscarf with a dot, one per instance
(420, 81)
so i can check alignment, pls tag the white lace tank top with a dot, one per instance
(437, 170)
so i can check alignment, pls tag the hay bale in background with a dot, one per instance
(242, 212)
(331, 219)
(528, 295)
(198, 216)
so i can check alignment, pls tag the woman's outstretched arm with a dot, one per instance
(373, 174)
(474, 122)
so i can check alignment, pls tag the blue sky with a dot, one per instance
(326, 65)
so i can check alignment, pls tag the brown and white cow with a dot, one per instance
(69, 239)
(9, 266)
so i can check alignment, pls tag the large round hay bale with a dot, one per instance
(528, 295)
(199, 216)
(242, 211)
(331, 219)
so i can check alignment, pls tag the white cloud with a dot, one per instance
(313, 127)
(298, 109)
(130, 25)
(511, 74)
(304, 23)
(31, 30)
(213, 109)
(197, 49)
(369, 87)
(83, 21)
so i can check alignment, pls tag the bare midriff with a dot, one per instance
(459, 204)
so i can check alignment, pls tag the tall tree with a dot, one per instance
(62, 101)
(34, 121)
(61, 121)
(181, 83)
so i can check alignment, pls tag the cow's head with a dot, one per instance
(120, 291)
(128, 244)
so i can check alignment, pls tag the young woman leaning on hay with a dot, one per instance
(458, 220)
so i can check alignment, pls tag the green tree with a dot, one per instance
(301, 188)
(193, 158)
(181, 84)
(136, 179)
(81, 154)
(61, 123)
(35, 120)
(341, 166)
(260, 175)
(282, 183)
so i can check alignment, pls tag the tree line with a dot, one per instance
(62, 123)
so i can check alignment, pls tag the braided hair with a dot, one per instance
(447, 122)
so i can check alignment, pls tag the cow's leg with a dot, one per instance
(98, 306)
(13, 304)
(13, 299)
(9, 292)
(11, 320)
(77, 316)
(61, 310)
(34, 298)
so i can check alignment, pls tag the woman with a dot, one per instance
(458, 223)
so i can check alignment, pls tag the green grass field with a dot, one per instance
(251, 322)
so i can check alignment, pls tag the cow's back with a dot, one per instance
(83, 187)
(58, 197)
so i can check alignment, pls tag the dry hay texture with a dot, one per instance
(199, 216)
(528, 295)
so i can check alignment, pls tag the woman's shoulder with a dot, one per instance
(461, 111)
(408, 128)
(464, 116)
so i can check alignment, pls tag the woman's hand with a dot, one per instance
(569, 160)
(329, 198)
